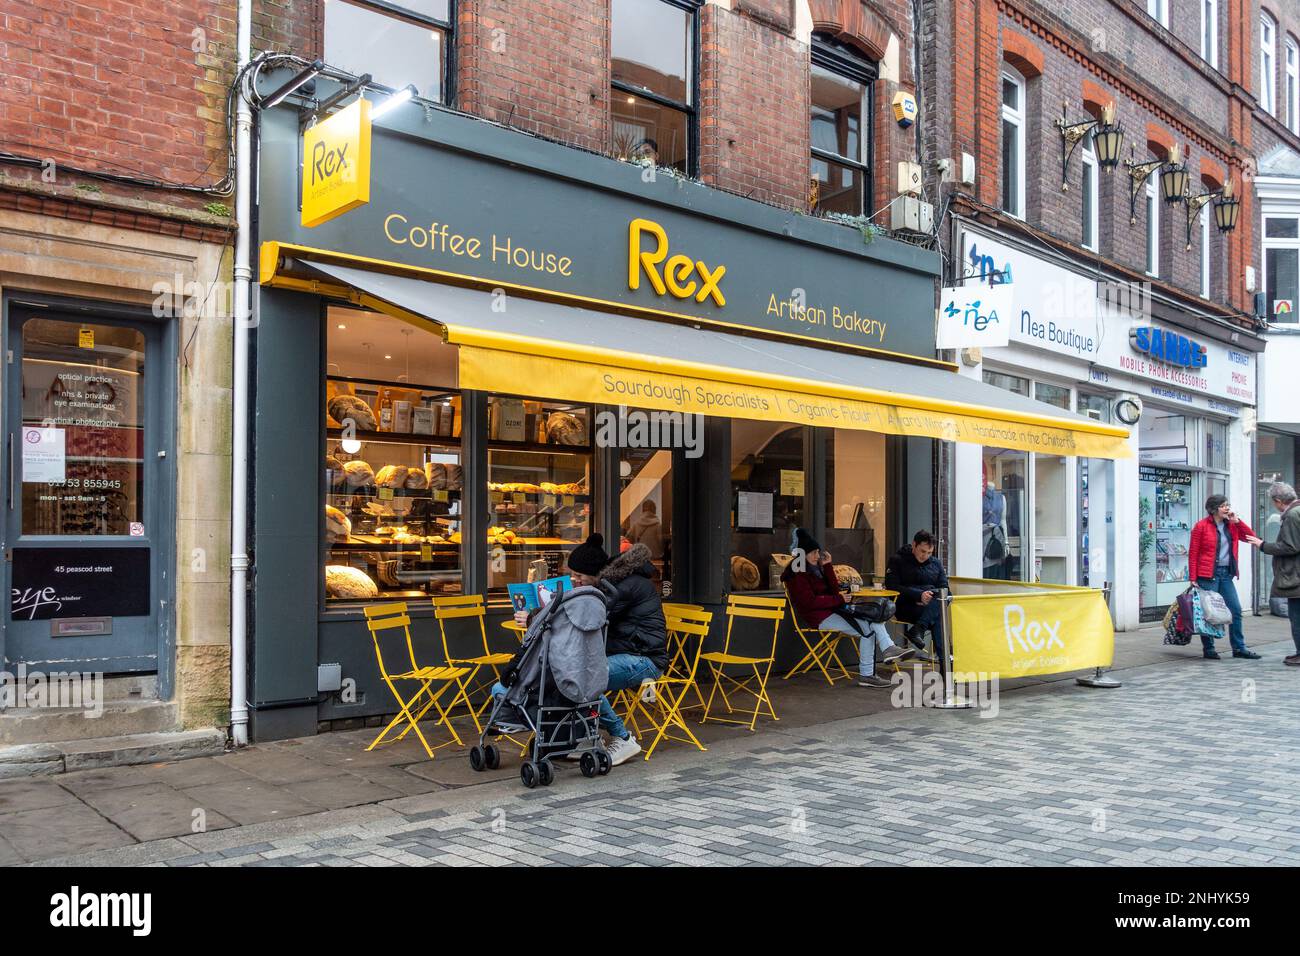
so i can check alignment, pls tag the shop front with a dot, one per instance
(511, 345)
(1111, 352)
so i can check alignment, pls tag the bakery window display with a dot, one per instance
(393, 483)
(539, 486)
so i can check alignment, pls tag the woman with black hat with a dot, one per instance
(810, 581)
(636, 639)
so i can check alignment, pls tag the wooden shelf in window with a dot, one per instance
(397, 438)
(547, 448)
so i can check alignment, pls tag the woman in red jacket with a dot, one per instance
(1213, 565)
(817, 600)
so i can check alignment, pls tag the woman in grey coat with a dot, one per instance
(1286, 559)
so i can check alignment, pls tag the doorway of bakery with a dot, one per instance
(645, 509)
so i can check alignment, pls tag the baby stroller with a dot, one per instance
(553, 691)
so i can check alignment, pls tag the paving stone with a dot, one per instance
(60, 831)
(154, 811)
(252, 802)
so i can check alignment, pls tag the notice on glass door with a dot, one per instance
(44, 457)
(754, 510)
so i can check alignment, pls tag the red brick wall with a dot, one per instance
(1156, 82)
(753, 106)
(522, 65)
(115, 86)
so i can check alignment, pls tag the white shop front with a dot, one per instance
(1113, 352)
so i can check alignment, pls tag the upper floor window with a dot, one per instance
(1205, 251)
(399, 43)
(840, 130)
(1153, 223)
(652, 70)
(1013, 143)
(1159, 10)
(1268, 63)
(1292, 85)
(1090, 184)
(1210, 32)
(1281, 267)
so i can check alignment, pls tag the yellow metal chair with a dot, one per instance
(680, 664)
(433, 682)
(677, 642)
(744, 606)
(664, 711)
(823, 648)
(470, 606)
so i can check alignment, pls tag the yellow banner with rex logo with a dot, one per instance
(1029, 630)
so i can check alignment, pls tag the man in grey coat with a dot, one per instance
(1286, 559)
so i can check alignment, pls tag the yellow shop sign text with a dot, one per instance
(678, 276)
(442, 240)
(336, 164)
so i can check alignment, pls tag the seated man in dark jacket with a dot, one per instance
(637, 640)
(918, 577)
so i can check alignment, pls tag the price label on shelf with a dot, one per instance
(518, 497)
(385, 494)
(426, 552)
(496, 497)
(548, 500)
(440, 494)
(567, 501)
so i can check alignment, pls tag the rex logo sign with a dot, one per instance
(336, 164)
(679, 275)
(1029, 636)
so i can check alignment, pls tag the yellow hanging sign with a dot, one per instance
(336, 164)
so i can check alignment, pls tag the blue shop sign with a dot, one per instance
(1164, 345)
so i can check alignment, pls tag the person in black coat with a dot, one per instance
(918, 577)
(636, 642)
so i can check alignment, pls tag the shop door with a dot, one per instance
(84, 499)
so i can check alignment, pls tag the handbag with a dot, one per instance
(996, 547)
(1214, 607)
(1177, 630)
(877, 612)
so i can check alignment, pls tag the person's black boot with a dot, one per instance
(1247, 654)
(1212, 656)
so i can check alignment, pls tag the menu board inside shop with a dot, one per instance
(82, 432)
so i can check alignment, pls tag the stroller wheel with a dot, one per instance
(476, 759)
(491, 756)
(546, 772)
(587, 764)
(603, 763)
(528, 775)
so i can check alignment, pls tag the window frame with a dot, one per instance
(1017, 117)
(691, 109)
(1091, 185)
(1210, 51)
(395, 11)
(1158, 10)
(1153, 201)
(845, 62)
(1292, 92)
(1205, 252)
(1268, 62)
(1276, 242)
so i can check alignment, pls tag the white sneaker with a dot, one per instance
(621, 751)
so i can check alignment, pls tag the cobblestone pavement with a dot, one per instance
(1188, 763)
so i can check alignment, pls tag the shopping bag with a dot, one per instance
(1214, 607)
(1196, 615)
(1177, 631)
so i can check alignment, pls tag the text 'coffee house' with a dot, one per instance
(461, 332)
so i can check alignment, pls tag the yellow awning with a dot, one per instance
(527, 347)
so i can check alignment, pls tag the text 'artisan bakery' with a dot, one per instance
(854, 322)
